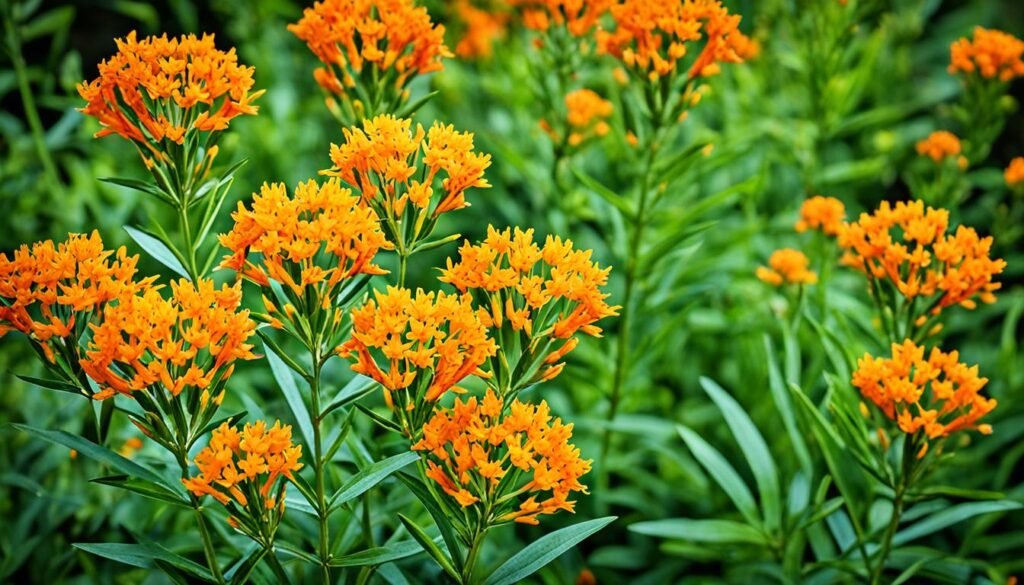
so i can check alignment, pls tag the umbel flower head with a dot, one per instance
(158, 89)
(990, 54)
(935, 397)
(586, 118)
(507, 466)
(417, 347)
(244, 471)
(186, 343)
(907, 245)
(542, 296)
(941, 145)
(310, 243)
(481, 28)
(51, 292)
(394, 168)
(652, 37)
(579, 17)
(826, 214)
(787, 266)
(366, 44)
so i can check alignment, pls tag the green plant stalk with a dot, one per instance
(211, 556)
(318, 471)
(190, 247)
(899, 492)
(472, 554)
(28, 101)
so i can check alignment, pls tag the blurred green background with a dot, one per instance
(705, 315)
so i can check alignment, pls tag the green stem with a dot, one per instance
(403, 265)
(28, 101)
(472, 555)
(318, 470)
(190, 249)
(204, 532)
(890, 531)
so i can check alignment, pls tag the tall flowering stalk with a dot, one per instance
(668, 48)
(409, 178)
(942, 181)
(311, 254)
(370, 51)
(172, 98)
(929, 399)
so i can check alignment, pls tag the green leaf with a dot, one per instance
(286, 383)
(378, 555)
(441, 518)
(544, 550)
(618, 201)
(370, 476)
(145, 488)
(157, 249)
(724, 474)
(754, 449)
(387, 424)
(430, 547)
(412, 108)
(950, 516)
(240, 571)
(144, 556)
(97, 452)
(143, 186)
(51, 384)
(784, 404)
(712, 531)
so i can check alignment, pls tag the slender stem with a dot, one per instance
(318, 470)
(403, 264)
(894, 522)
(190, 249)
(277, 568)
(211, 556)
(28, 101)
(472, 555)
(625, 318)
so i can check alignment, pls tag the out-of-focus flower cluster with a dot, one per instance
(787, 266)
(991, 54)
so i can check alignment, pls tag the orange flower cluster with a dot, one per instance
(652, 36)
(161, 88)
(48, 289)
(243, 467)
(481, 29)
(1014, 173)
(937, 396)
(382, 159)
(991, 54)
(294, 236)
(522, 282)
(940, 145)
(388, 35)
(908, 245)
(579, 17)
(821, 213)
(188, 341)
(482, 456)
(787, 266)
(587, 112)
(433, 338)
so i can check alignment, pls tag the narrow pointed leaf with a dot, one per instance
(544, 550)
(286, 383)
(369, 477)
(711, 531)
(723, 473)
(430, 547)
(157, 249)
(379, 555)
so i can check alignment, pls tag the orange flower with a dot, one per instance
(940, 145)
(652, 36)
(382, 159)
(393, 37)
(579, 17)
(187, 342)
(160, 88)
(312, 241)
(788, 266)
(240, 470)
(1014, 173)
(51, 292)
(544, 293)
(481, 454)
(481, 29)
(908, 246)
(419, 346)
(991, 54)
(935, 396)
(587, 114)
(821, 213)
